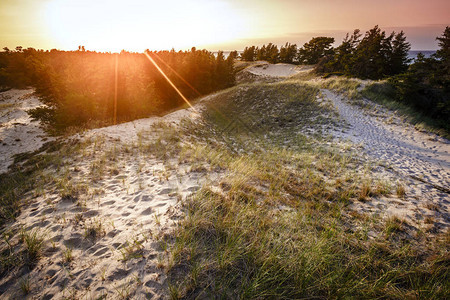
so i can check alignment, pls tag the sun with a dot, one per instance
(112, 25)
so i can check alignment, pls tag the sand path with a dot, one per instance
(412, 153)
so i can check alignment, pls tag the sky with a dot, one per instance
(136, 25)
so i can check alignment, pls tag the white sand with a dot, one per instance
(18, 134)
(405, 153)
(271, 70)
(128, 132)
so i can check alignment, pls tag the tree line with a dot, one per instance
(423, 84)
(80, 86)
(374, 55)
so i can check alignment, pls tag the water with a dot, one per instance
(413, 54)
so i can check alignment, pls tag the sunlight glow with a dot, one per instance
(169, 81)
(112, 25)
(176, 74)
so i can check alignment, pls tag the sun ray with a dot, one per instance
(116, 73)
(169, 81)
(178, 75)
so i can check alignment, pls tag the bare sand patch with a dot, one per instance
(274, 70)
(18, 133)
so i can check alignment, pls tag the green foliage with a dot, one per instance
(79, 87)
(16, 67)
(268, 53)
(441, 77)
(288, 53)
(412, 100)
(315, 49)
(340, 62)
(249, 53)
(375, 56)
(233, 54)
(399, 55)
(425, 86)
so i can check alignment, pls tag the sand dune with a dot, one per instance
(271, 70)
(104, 240)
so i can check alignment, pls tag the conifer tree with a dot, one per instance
(288, 53)
(249, 53)
(315, 49)
(399, 55)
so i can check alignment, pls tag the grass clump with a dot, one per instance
(67, 255)
(33, 242)
(349, 87)
(25, 285)
(20, 249)
(94, 229)
(235, 247)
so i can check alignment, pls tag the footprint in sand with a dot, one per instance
(165, 191)
(113, 233)
(108, 203)
(76, 241)
(153, 284)
(147, 212)
(146, 198)
(118, 274)
(101, 251)
(90, 213)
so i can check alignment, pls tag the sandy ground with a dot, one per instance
(271, 70)
(420, 159)
(18, 133)
(130, 209)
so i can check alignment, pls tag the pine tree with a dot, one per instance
(444, 43)
(315, 49)
(249, 53)
(288, 53)
(370, 59)
(399, 56)
(340, 61)
(442, 76)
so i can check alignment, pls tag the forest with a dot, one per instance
(80, 87)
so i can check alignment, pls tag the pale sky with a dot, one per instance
(112, 25)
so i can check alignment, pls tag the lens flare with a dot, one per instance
(169, 81)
